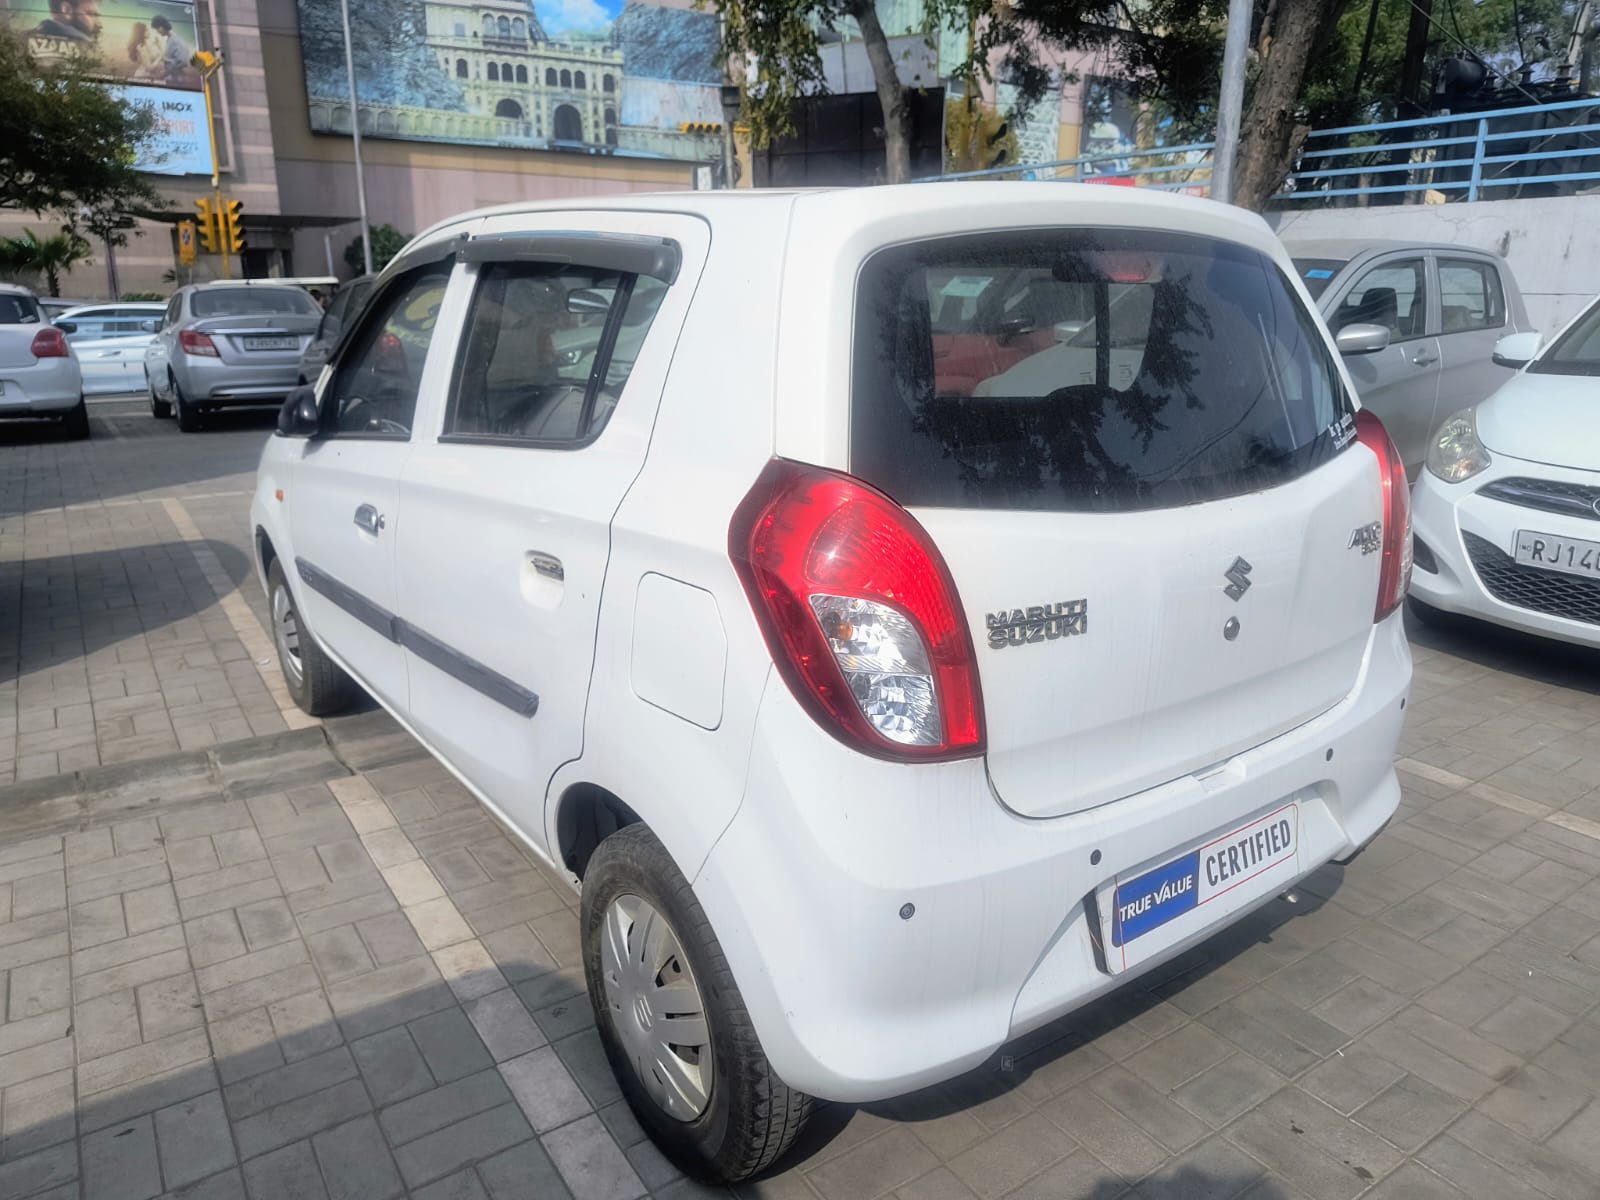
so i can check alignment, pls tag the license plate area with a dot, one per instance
(271, 343)
(1552, 552)
(1150, 907)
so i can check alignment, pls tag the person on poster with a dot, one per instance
(175, 59)
(147, 51)
(70, 20)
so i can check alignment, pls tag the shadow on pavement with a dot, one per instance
(1542, 660)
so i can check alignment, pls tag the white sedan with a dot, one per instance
(1507, 514)
(109, 341)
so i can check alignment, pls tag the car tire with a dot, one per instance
(316, 683)
(76, 422)
(749, 1117)
(188, 414)
(159, 409)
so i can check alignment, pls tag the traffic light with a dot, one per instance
(233, 226)
(209, 241)
(700, 128)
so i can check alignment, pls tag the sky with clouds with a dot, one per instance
(561, 17)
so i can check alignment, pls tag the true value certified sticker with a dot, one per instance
(1249, 854)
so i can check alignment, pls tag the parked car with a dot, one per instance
(1417, 326)
(56, 306)
(221, 345)
(877, 723)
(39, 374)
(109, 341)
(1508, 512)
(346, 303)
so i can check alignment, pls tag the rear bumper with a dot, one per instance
(855, 1001)
(1443, 513)
(53, 385)
(208, 381)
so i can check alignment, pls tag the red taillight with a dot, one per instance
(1395, 576)
(194, 342)
(860, 614)
(49, 343)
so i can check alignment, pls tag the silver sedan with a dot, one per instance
(227, 344)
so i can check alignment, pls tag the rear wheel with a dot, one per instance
(188, 413)
(159, 409)
(76, 422)
(315, 682)
(671, 1018)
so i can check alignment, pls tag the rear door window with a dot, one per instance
(1078, 370)
(18, 310)
(1469, 296)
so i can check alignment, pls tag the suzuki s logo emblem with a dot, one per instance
(1238, 577)
(1368, 537)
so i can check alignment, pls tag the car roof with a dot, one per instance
(1349, 249)
(133, 305)
(15, 289)
(986, 201)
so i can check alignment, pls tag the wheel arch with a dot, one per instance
(586, 815)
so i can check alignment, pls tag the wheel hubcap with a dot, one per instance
(286, 631)
(656, 1007)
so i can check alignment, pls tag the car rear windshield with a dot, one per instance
(247, 302)
(18, 310)
(1318, 273)
(1086, 371)
(1576, 352)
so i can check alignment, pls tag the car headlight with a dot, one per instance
(1456, 454)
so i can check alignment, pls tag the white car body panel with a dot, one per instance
(790, 838)
(29, 385)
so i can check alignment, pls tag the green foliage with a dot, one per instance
(144, 296)
(49, 256)
(67, 144)
(387, 241)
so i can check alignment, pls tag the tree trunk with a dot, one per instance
(891, 92)
(1270, 135)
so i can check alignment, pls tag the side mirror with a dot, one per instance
(150, 325)
(66, 326)
(1362, 339)
(299, 416)
(1065, 331)
(1517, 349)
(587, 302)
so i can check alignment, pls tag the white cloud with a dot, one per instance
(573, 16)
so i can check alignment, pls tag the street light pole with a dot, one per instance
(209, 63)
(355, 138)
(1230, 104)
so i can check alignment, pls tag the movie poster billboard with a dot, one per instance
(614, 77)
(141, 49)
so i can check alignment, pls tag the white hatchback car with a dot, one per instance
(39, 373)
(1508, 512)
(884, 709)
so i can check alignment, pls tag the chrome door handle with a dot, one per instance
(370, 519)
(1424, 359)
(547, 565)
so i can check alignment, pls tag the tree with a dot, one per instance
(49, 256)
(387, 241)
(66, 143)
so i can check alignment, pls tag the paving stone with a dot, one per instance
(38, 987)
(253, 965)
(1549, 1168)
(1179, 1057)
(545, 1090)
(1472, 1175)
(31, 1175)
(463, 1185)
(150, 908)
(1160, 1117)
(523, 1170)
(266, 923)
(1213, 1170)
(97, 921)
(450, 1044)
(339, 953)
(443, 1106)
(214, 938)
(503, 1023)
(469, 970)
(304, 1025)
(595, 1169)
(38, 1114)
(300, 1118)
(1409, 1113)
(120, 1163)
(245, 1045)
(194, 1140)
(438, 923)
(290, 1171)
(288, 1083)
(479, 1136)
(356, 1164)
(1535, 1102)
(168, 1006)
(1523, 1026)
(263, 990)
(1228, 1089)
(128, 1066)
(106, 1024)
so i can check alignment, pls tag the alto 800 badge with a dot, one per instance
(1037, 623)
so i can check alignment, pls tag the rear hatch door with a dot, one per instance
(1155, 524)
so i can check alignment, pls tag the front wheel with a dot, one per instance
(316, 683)
(159, 409)
(671, 1018)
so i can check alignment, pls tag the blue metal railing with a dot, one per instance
(1547, 149)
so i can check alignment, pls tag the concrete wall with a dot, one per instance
(1552, 244)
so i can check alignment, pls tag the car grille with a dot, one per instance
(1547, 495)
(1548, 592)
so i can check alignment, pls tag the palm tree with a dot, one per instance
(48, 256)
